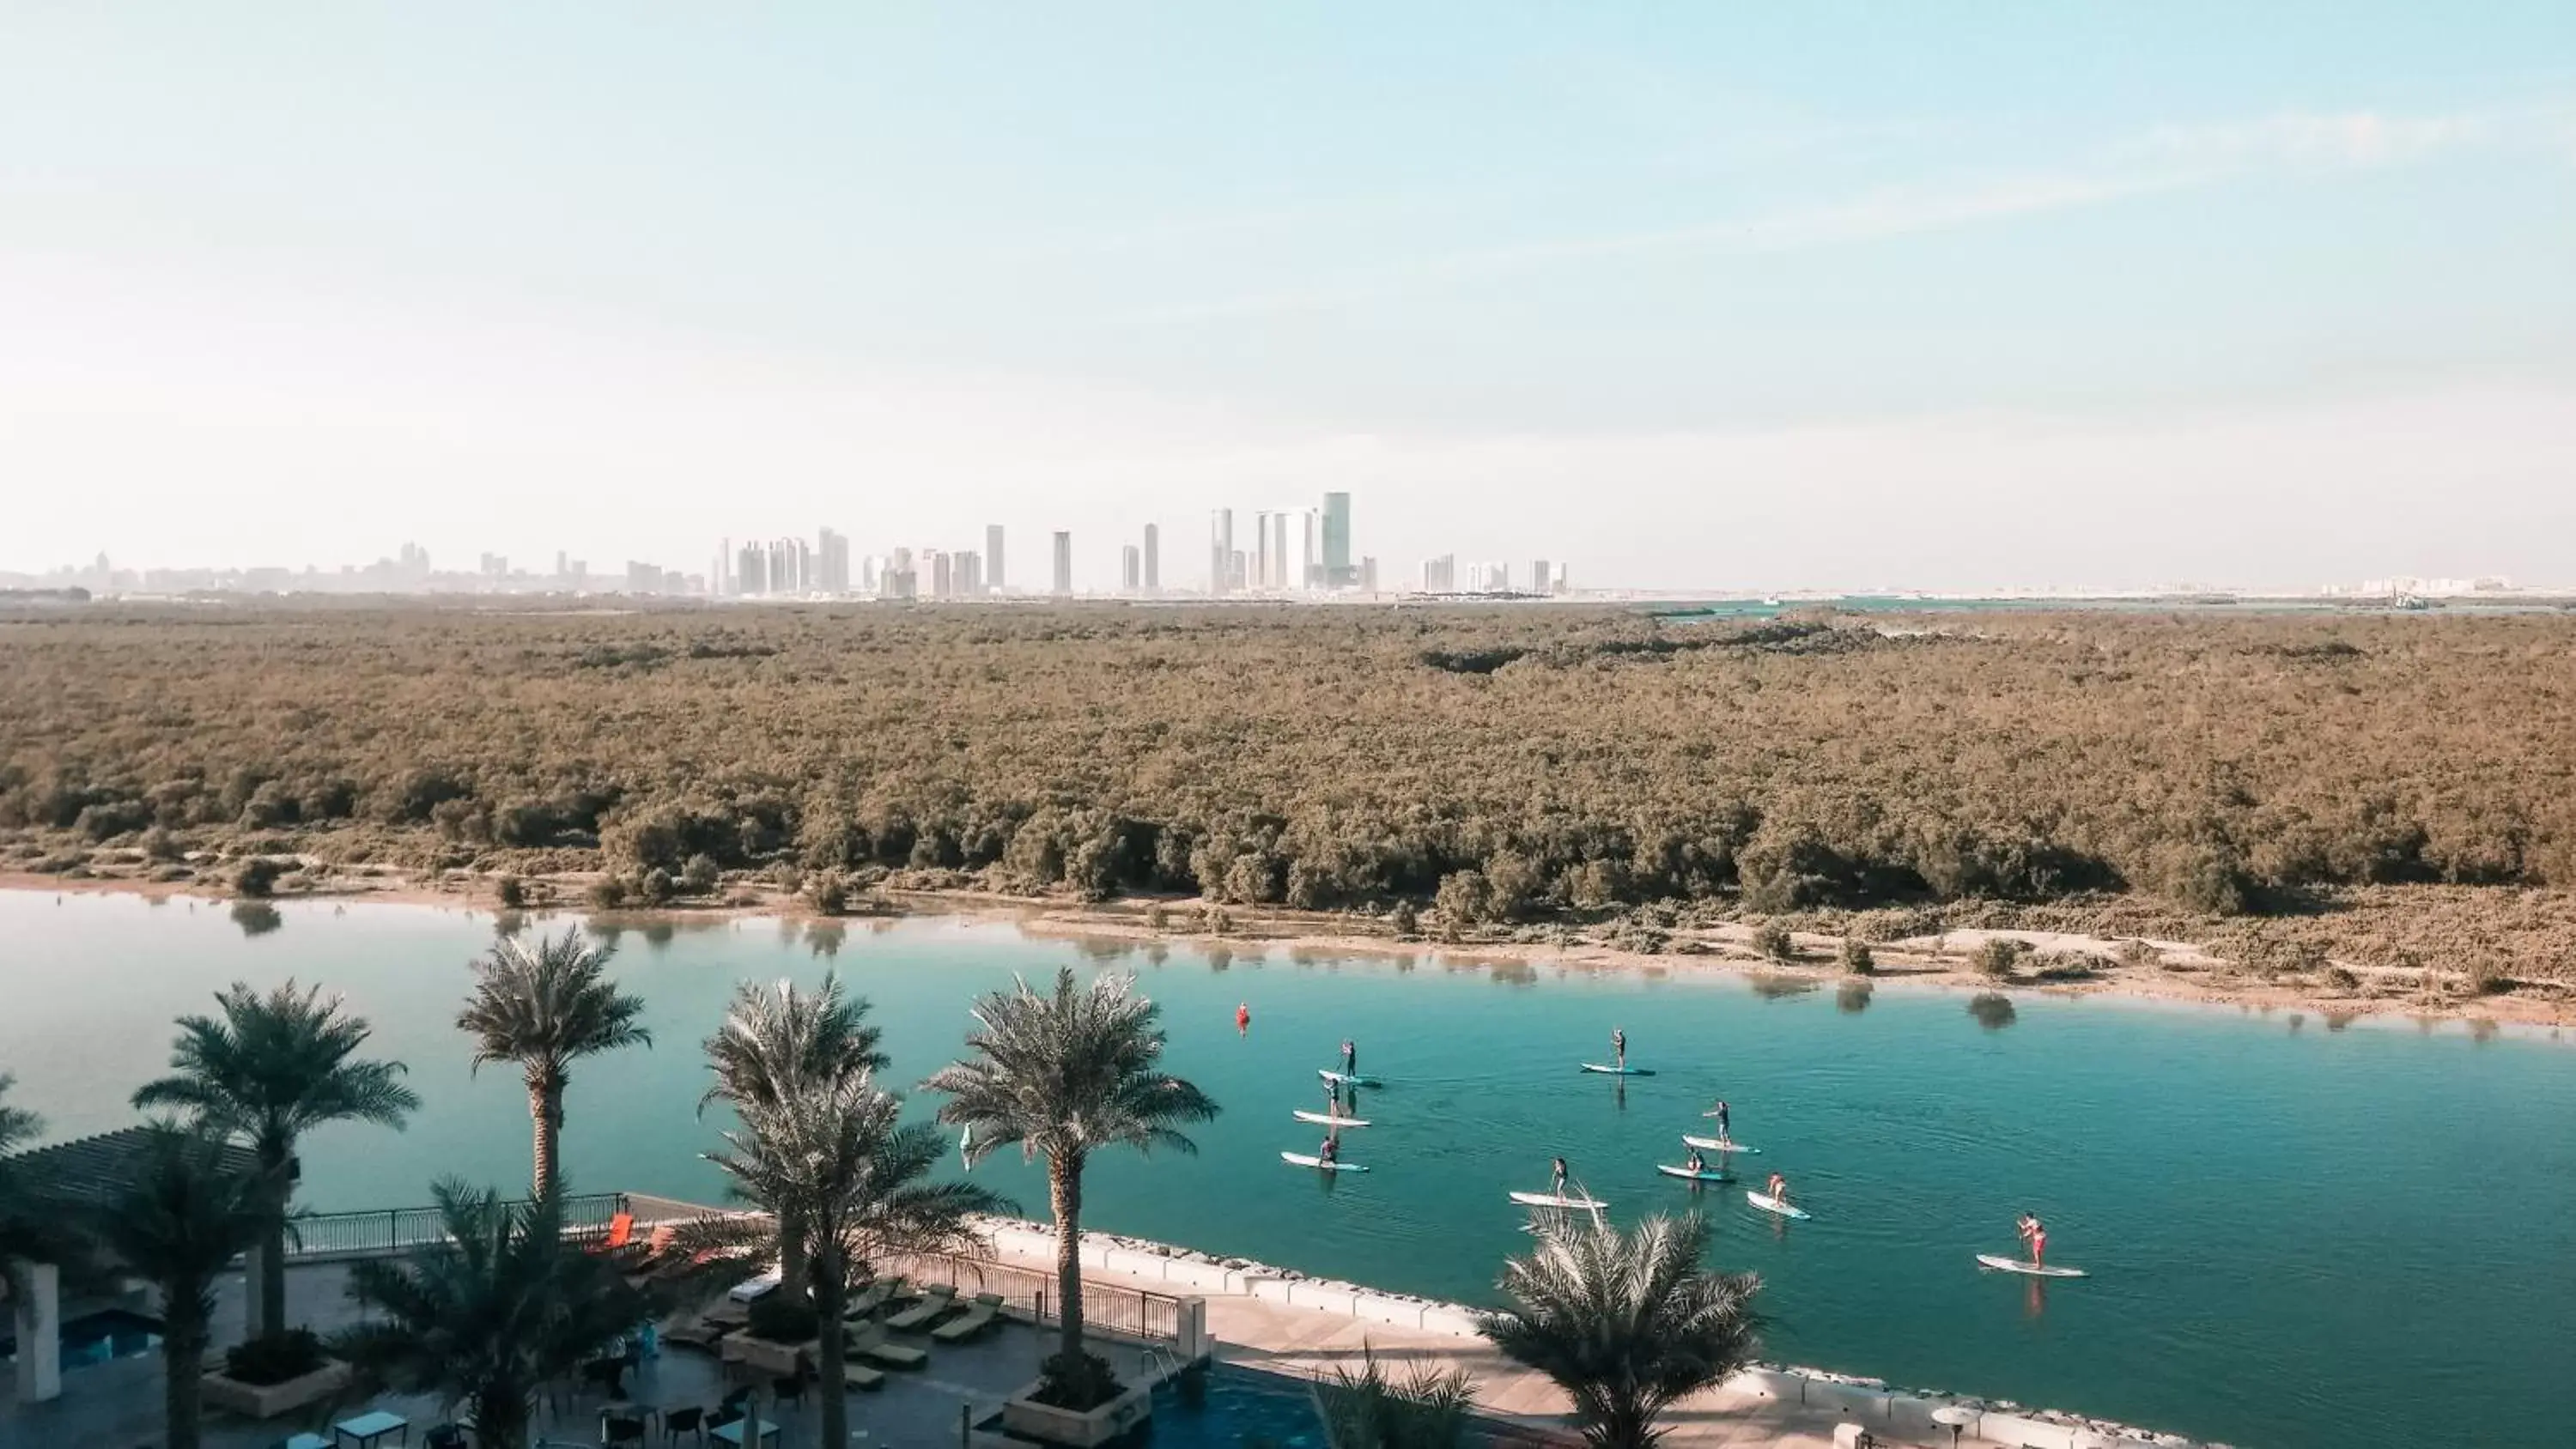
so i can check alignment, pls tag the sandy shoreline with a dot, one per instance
(1943, 961)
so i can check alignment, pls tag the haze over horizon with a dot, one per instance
(1834, 298)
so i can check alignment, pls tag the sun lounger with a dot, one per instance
(869, 1341)
(965, 1326)
(875, 1296)
(861, 1377)
(932, 1308)
(621, 1230)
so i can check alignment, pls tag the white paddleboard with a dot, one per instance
(1706, 1175)
(1323, 1120)
(1770, 1204)
(1608, 1071)
(1553, 1200)
(1308, 1159)
(1717, 1144)
(2030, 1270)
(1347, 1079)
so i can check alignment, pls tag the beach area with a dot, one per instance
(2060, 963)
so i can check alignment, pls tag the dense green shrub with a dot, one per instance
(256, 876)
(274, 1358)
(1592, 760)
(1774, 941)
(1999, 955)
(1856, 957)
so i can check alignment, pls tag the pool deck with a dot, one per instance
(1302, 1342)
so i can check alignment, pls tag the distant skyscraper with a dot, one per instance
(1368, 574)
(751, 571)
(1131, 569)
(1440, 575)
(1277, 570)
(943, 580)
(993, 557)
(831, 563)
(969, 570)
(1221, 565)
(1153, 559)
(1337, 540)
(1063, 563)
(1539, 577)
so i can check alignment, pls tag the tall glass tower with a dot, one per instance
(1337, 540)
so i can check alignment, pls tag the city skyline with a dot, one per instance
(1699, 298)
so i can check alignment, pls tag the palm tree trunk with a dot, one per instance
(272, 1265)
(1064, 1193)
(792, 1254)
(545, 1108)
(500, 1419)
(183, 1358)
(831, 1295)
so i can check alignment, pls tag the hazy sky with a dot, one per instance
(1688, 295)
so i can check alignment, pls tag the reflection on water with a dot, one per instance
(1993, 1010)
(256, 918)
(1852, 996)
(1771, 987)
(824, 938)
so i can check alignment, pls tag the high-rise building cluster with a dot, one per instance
(1287, 551)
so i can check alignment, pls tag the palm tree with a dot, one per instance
(1063, 1076)
(1369, 1409)
(831, 1157)
(1627, 1323)
(268, 1070)
(546, 1007)
(187, 1213)
(491, 1316)
(773, 1042)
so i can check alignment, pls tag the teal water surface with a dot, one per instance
(2298, 1235)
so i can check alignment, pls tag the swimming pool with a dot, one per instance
(93, 1338)
(1241, 1408)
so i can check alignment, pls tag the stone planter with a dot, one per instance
(778, 1360)
(267, 1401)
(1023, 1415)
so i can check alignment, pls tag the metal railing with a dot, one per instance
(1031, 1292)
(321, 1237)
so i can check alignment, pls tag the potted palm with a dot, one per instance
(266, 1070)
(1065, 1074)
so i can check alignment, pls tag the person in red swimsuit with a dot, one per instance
(1243, 1018)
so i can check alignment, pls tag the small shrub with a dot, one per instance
(159, 844)
(1857, 958)
(782, 1318)
(700, 875)
(1216, 920)
(274, 1358)
(513, 892)
(256, 877)
(656, 887)
(2137, 955)
(1404, 920)
(1078, 1381)
(1774, 941)
(829, 895)
(1999, 956)
(2486, 978)
(1157, 918)
(607, 893)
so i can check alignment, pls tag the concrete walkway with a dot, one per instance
(1266, 1334)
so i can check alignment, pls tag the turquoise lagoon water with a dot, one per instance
(2299, 1235)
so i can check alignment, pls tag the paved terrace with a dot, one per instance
(1304, 1332)
(117, 1405)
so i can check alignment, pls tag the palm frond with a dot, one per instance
(547, 1005)
(776, 1037)
(1063, 1073)
(1627, 1323)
